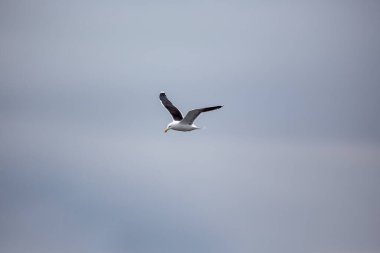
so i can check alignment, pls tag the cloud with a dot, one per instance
(290, 164)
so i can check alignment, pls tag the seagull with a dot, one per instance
(180, 123)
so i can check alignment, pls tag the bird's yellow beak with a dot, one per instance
(166, 130)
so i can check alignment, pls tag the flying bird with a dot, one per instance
(179, 122)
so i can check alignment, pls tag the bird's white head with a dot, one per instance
(168, 127)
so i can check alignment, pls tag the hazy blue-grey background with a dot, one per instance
(291, 164)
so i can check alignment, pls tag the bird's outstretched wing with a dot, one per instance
(193, 114)
(176, 114)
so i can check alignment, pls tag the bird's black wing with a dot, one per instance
(176, 114)
(193, 114)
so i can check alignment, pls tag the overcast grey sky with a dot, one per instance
(291, 163)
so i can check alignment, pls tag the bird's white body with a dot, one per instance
(180, 126)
